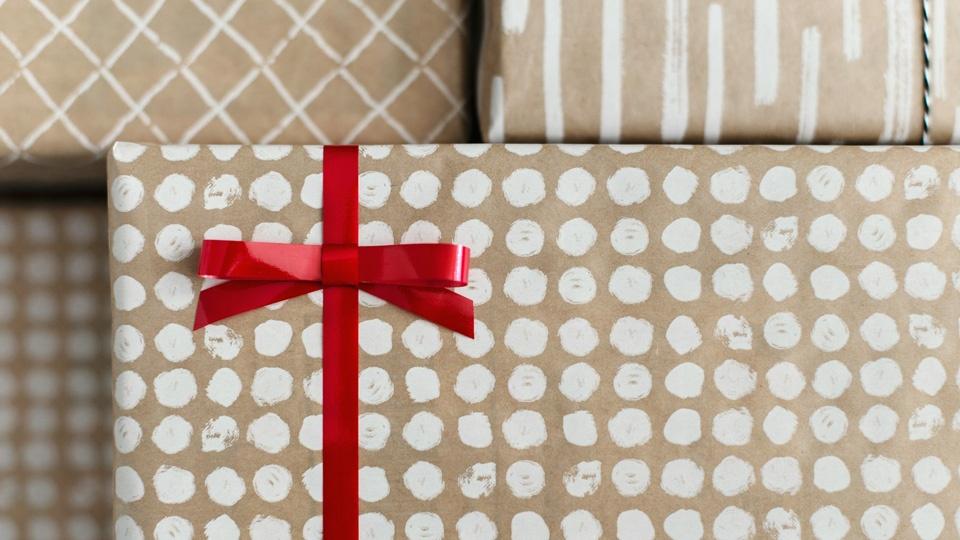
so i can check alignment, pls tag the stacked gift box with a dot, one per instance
(507, 269)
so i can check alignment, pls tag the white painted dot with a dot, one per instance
(733, 282)
(829, 424)
(682, 427)
(271, 191)
(682, 478)
(630, 477)
(730, 185)
(269, 433)
(524, 187)
(631, 336)
(880, 522)
(224, 387)
(126, 193)
(525, 238)
(629, 236)
(174, 243)
(781, 234)
(474, 383)
(128, 343)
(878, 280)
(877, 233)
(632, 382)
(683, 283)
(575, 186)
(830, 474)
(880, 474)
(579, 381)
(735, 379)
(526, 338)
(423, 384)
(525, 479)
(527, 383)
(829, 333)
(577, 286)
(525, 286)
(128, 487)
(475, 234)
(271, 385)
(580, 429)
(921, 182)
(581, 525)
(525, 429)
(829, 523)
(782, 475)
(782, 330)
(681, 236)
(832, 379)
(173, 485)
(683, 335)
(420, 189)
(172, 434)
(628, 186)
(825, 182)
(924, 231)
(685, 380)
(175, 388)
(576, 237)
(471, 188)
(373, 190)
(272, 337)
(875, 183)
(474, 430)
(127, 243)
(733, 476)
(879, 330)
(780, 282)
(924, 281)
(826, 233)
(680, 184)
(734, 523)
(779, 183)
(221, 192)
(829, 282)
(630, 284)
(683, 524)
(732, 427)
(731, 235)
(128, 293)
(174, 193)
(422, 339)
(780, 425)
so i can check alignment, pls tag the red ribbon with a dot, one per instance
(414, 277)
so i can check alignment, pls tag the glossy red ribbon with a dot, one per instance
(414, 277)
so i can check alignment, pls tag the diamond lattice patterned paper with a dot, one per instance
(75, 76)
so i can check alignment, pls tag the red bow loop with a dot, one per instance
(414, 277)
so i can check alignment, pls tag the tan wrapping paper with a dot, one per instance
(55, 425)
(716, 342)
(724, 71)
(74, 77)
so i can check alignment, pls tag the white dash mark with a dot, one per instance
(513, 16)
(898, 79)
(673, 122)
(809, 84)
(852, 31)
(938, 42)
(955, 136)
(495, 130)
(766, 51)
(552, 99)
(611, 69)
(714, 110)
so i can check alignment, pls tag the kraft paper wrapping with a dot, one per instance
(75, 77)
(682, 341)
(724, 71)
(55, 425)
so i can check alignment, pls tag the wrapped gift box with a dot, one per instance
(682, 341)
(55, 425)
(765, 71)
(74, 78)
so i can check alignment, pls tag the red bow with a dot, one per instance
(414, 277)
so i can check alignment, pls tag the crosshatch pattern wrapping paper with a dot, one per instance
(721, 71)
(55, 443)
(682, 341)
(77, 76)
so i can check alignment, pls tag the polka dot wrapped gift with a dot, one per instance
(680, 342)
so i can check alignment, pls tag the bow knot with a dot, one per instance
(414, 277)
(340, 265)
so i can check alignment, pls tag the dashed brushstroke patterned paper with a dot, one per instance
(687, 342)
(758, 71)
(77, 76)
(55, 426)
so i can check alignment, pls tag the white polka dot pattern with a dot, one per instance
(688, 342)
(55, 443)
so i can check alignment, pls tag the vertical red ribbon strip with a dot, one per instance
(341, 319)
